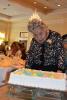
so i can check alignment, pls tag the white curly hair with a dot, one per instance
(35, 23)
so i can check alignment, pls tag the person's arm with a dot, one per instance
(29, 56)
(60, 53)
(61, 60)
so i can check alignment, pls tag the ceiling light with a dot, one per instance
(35, 16)
(9, 5)
(45, 7)
(58, 5)
(34, 2)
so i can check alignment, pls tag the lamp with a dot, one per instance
(35, 16)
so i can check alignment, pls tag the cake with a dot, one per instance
(38, 79)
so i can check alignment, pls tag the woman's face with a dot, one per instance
(40, 34)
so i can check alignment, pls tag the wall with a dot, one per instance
(57, 22)
(17, 27)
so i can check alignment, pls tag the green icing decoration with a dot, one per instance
(40, 74)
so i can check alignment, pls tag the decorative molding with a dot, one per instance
(6, 16)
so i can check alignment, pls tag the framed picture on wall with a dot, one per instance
(23, 35)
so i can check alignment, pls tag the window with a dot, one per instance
(2, 37)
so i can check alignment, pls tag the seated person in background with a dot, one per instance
(46, 49)
(23, 51)
(15, 50)
(15, 54)
(2, 48)
(64, 37)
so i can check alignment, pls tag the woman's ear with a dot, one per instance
(47, 29)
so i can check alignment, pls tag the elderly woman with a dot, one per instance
(46, 49)
(64, 37)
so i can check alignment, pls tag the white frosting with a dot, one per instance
(38, 82)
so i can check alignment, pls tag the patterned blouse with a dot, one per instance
(48, 56)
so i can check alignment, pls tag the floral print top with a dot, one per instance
(46, 56)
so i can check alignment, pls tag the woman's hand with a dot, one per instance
(59, 71)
